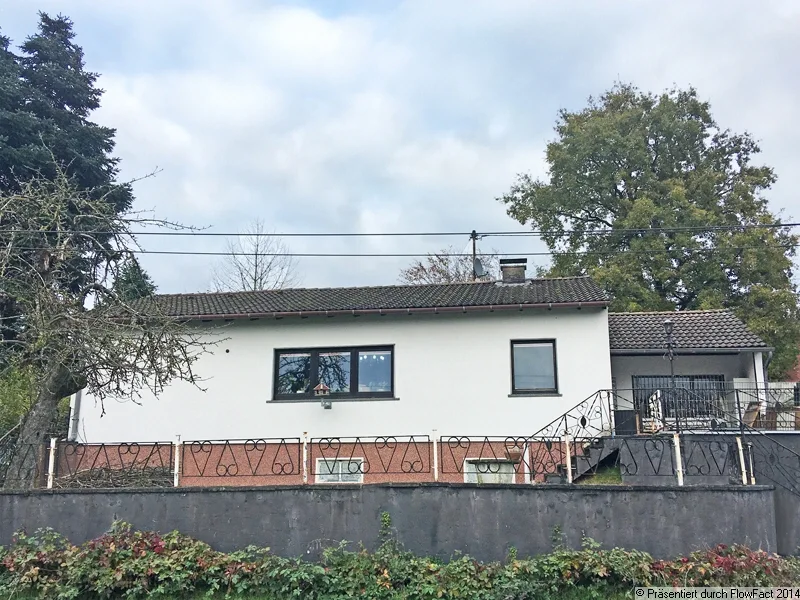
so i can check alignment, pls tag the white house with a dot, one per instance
(473, 359)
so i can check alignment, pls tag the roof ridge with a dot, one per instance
(360, 287)
(671, 312)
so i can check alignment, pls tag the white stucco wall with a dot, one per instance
(452, 374)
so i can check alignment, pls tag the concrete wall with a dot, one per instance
(777, 462)
(776, 459)
(787, 514)
(483, 521)
(452, 374)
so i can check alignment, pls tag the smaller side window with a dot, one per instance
(332, 470)
(479, 470)
(533, 367)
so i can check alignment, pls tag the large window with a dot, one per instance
(348, 372)
(533, 367)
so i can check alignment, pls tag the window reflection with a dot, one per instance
(375, 371)
(294, 373)
(334, 371)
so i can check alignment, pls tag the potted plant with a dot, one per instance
(514, 451)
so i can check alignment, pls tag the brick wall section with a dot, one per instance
(247, 463)
(533, 461)
(255, 463)
(385, 460)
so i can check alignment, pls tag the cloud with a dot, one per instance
(401, 116)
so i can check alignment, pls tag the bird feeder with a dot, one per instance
(323, 392)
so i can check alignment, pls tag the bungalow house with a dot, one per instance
(502, 381)
(447, 362)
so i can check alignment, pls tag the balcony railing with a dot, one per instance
(711, 406)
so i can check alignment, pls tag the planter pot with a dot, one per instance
(514, 453)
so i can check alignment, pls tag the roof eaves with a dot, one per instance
(689, 351)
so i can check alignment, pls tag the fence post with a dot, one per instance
(305, 457)
(569, 458)
(752, 469)
(435, 456)
(676, 440)
(739, 411)
(51, 463)
(742, 464)
(612, 412)
(177, 450)
(526, 466)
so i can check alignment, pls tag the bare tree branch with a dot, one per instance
(448, 266)
(60, 318)
(257, 261)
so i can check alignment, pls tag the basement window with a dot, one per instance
(360, 372)
(331, 470)
(488, 471)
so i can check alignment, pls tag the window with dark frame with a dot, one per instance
(352, 372)
(533, 367)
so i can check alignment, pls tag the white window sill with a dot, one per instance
(333, 400)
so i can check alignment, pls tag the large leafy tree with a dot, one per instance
(46, 98)
(667, 210)
(133, 282)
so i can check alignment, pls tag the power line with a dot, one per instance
(425, 254)
(542, 233)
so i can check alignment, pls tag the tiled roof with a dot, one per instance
(692, 329)
(567, 290)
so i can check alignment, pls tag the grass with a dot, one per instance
(604, 476)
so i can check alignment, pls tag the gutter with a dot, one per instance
(765, 366)
(75, 419)
(685, 351)
(394, 311)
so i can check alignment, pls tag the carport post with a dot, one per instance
(51, 463)
(676, 440)
(177, 450)
(742, 463)
(305, 457)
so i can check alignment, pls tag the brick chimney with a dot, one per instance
(513, 269)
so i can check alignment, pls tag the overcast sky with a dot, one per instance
(396, 116)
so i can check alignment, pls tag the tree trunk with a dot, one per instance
(23, 470)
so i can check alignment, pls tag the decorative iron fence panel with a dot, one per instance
(119, 465)
(253, 458)
(590, 418)
(34, 455)
(348, 459)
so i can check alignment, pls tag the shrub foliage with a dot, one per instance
(138, 564)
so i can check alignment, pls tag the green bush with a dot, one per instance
(138, 564)
(728, 566)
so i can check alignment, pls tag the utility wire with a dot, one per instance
(604, 232)
(424, 254)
